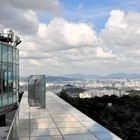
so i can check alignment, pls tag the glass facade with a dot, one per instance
(9, 74)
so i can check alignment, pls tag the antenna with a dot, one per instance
(9, 37)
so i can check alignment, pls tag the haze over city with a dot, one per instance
(75, 36)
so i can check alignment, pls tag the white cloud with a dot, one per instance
(51, 6)
(21, 15)
(122, 30)
(116, 20)
(60, 34)
(103, 54)
(35, 62)
(76, 45)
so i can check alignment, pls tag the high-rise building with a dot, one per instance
(9, 72)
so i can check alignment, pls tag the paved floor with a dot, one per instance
(58, 121)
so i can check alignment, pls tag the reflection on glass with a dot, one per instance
(0, 52)
(37, 90)
(4, 53)
(4, 78)
(17, 56)
(10, 54)
(9, 74)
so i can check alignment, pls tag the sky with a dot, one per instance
(75, 36)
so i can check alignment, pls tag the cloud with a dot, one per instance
(58, 35)
(51, 6)
(122, 30)
(35, 62)
(75, 45)
(100, 53)
(25, 23)
(22, 15)
(69, 34)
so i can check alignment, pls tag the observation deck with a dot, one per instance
(58, 121)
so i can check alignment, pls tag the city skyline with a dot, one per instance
(75, 36)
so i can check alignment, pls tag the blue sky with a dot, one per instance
(95, 11)
(92, 11)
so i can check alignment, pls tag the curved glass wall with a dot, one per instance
(9, 74)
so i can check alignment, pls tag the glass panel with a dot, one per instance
(10, 83)
(0, 52)
(13, 133)
(10, 78)
(37, 90)
(14, 97)
(14, 55)
(10, 54)
(0, 100)
(17, 56)
(4, 78)
(15, 86)
(4, 53)
(17, 76)
(10, 98)
(0, 79)
(4, 99)
(0, 85)
(4, 84)
(14, 77)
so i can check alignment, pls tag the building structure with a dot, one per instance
(9, 73)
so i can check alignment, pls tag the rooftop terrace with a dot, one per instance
(58, 121)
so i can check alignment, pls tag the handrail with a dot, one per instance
(12, 124)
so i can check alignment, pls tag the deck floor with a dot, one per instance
(58, 121)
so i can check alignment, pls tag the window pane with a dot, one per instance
(17, 56)
(4, 78)
(17, 76)
(14, 97)
(14, 55)
(0, 79)
(14, 77)
(0, 100)
(0, 52)
(10, 78)
(4, 99)
(4, 53)
(0, 85)
(10, 83)
(10, 55)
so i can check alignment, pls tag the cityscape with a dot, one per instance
(118, 84)
(69, 70)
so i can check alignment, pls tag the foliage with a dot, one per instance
(110, 88)
(78, 90)
(134, 92)
(122, 117)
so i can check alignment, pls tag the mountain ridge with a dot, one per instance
(79, 76)
(109, 76)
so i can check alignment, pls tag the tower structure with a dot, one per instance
(9, 72)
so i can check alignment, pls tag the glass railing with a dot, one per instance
(13, 133)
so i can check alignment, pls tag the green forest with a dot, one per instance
(121, 115)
